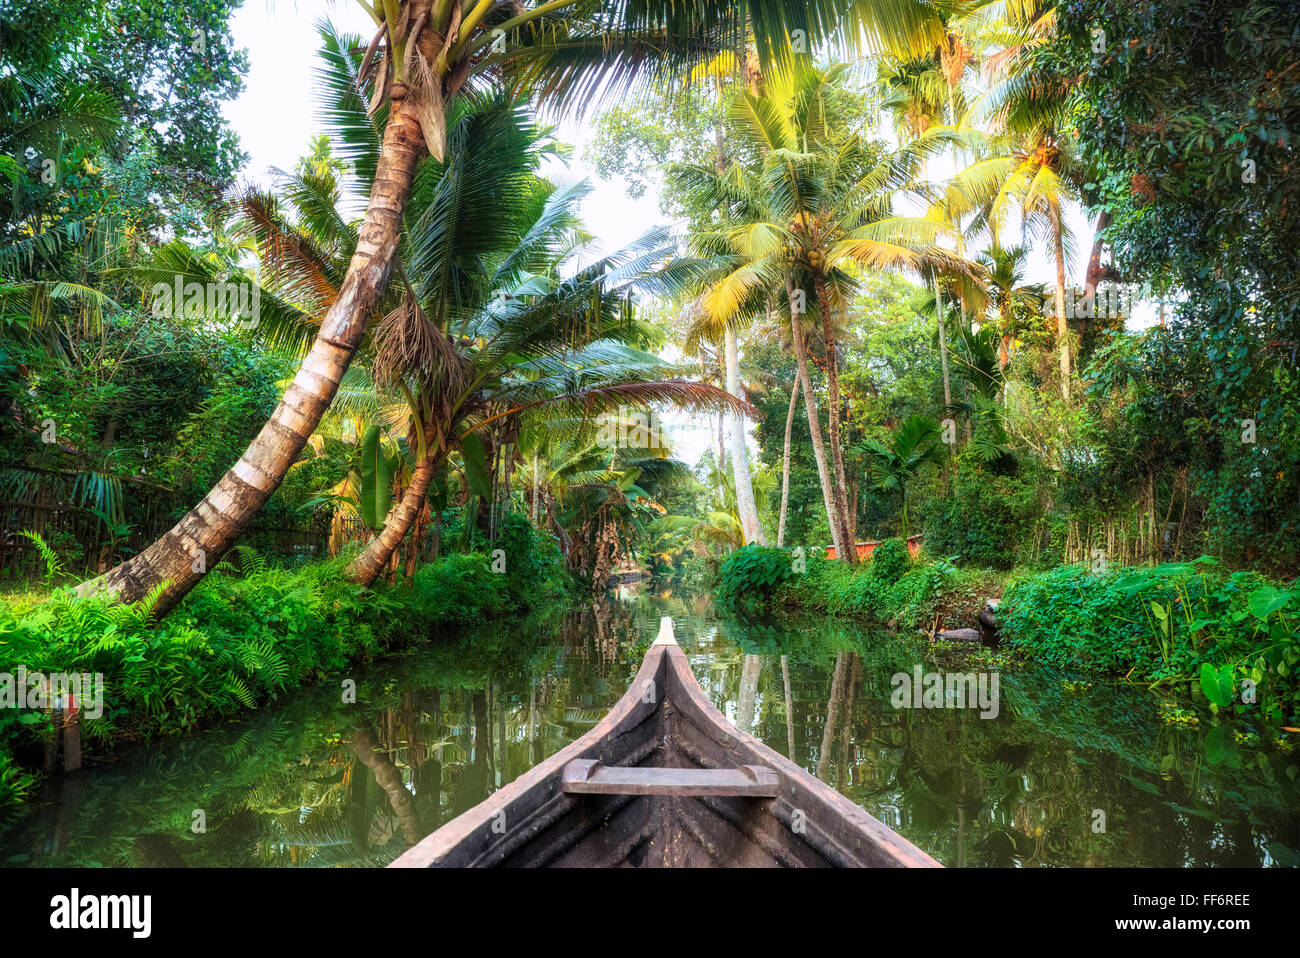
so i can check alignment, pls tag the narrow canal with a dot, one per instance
(1069, 772)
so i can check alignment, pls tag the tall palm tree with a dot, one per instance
(1035, 169)
(423, 54)
(820, 207)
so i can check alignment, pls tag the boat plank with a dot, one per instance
(590, 777)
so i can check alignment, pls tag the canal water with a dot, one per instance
(1070, 772)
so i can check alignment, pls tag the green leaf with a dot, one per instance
(1220, 747)
(1266, 600)
(1227, 685)
(376, 491)
(1143, 785)
(1211, 687)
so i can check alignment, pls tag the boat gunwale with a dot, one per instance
(667, 666)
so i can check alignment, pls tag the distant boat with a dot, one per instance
(664, 780)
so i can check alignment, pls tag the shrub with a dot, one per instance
(752, 573)
(986, 519)
(890, 561)
(1165, 624)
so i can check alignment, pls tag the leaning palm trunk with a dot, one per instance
(365, 568)
(785, 464)
(833, 418)
(815, 429)
(195, 544)
(745, 504)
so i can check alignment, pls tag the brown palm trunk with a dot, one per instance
(365, 568)
(196, 543)
(833, 419)
(785, 464)
(389, 778)
(814, 427)
(1062, 324)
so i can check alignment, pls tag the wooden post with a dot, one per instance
(71, 735)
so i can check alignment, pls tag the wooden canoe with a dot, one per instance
(664, 780)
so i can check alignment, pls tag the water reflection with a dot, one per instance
(323, 783)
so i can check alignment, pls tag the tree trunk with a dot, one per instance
(389, 778)
(1062, 324)
(833, 419)
(785, 463)
(536, 503)
(196, 543)
(814, 427)
(943, 345)
(745, 504)
(1094, 273)
(749, 673)
(371, 561)
(789, 709)
(832, 715)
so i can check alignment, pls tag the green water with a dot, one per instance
(317, 782)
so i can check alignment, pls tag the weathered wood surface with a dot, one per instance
(585, 776)
(664, 732)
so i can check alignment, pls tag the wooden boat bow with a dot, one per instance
(665, 780)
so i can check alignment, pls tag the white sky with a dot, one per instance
(282, 44)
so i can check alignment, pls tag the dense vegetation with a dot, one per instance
(244, 639)
(1018, 289)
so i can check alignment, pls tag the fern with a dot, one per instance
(53, 567)
(146, 605)
(251, 562)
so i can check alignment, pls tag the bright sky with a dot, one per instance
(282, 43)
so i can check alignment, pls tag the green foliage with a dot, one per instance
(890, 588)
(1193, 131)
(750, 574)
(241, 641)
(987, 518)
(1179, 622)
(889, 561)
(376, 491)
(15, 783)
(53, 567)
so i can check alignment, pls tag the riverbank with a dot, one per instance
(1229, 638)
(238, 642)
(315, 782)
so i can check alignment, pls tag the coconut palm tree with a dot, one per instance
(1035, 169)
(1009, 297)
(423, 54)
(819, 208)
